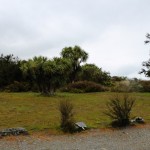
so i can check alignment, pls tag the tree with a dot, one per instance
(9, 70)
(146, 69)
(47, 74)
(146, 64)
(76, 56)
(91, 72)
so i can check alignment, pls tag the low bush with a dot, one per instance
(18, 87)
(67, 116)
(84, 87)
(119, 110)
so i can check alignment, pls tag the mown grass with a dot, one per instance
(39, 113)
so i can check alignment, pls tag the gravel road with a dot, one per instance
(133, 138)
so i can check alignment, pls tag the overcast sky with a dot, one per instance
(111, 31)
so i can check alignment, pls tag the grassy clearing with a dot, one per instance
(38, 113)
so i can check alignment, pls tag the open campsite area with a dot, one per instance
(40, 113)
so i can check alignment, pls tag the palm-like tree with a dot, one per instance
(76, 56)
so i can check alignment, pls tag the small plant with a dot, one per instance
(67, 116)
(119, 109)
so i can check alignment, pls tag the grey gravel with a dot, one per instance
(132, 138)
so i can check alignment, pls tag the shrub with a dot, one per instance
(145, 86)
(84, 87)
(121, 86)
(67, 116)
(119, 109)
(18, 87)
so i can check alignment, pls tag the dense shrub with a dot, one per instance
(67, 116)
(145, 86)
(119, 110)
(84, 87)
(18, 87)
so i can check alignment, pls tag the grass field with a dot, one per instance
(39, 113)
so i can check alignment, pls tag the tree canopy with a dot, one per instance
(76, 56)
(48, 74)
(91, 72)
(9, 70)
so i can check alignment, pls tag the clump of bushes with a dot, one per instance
(84, 87)
(67, 123)
(119, 110)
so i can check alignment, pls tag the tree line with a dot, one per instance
(47, 75)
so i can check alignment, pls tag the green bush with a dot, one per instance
(119, 110)
(67, 116)
(84, 87)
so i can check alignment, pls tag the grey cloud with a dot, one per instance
(104, 28)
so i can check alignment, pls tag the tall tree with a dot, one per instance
(76, 56)
(47, 74)
(91, 72)
(9, 70)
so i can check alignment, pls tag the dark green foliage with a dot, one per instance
(119, 110)
(76, 56)
(118, 78)
(47, 74)
(84, 87)
(146, 69)
(90, 72)
(9, 70)
(67, 116)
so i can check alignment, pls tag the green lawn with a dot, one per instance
(39, 113)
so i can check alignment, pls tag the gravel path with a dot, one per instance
(126, 139)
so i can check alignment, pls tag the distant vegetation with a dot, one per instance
(69, 73)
